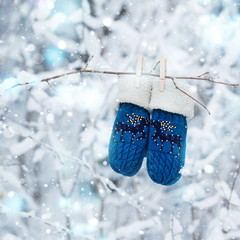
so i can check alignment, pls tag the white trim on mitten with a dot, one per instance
(173, 100)
(129, 93)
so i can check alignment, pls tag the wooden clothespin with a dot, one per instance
(140, 65)
(163, 71)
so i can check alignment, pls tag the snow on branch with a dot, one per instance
(85, 70)
(59, 228)
(200, 77)
(106, 182)
(31, 215)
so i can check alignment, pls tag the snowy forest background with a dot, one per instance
(55, 181)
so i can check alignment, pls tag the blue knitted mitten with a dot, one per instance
(168, 128)
(129, 139)
(166, 147)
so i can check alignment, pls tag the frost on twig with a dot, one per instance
(31, 215)
(55, 226)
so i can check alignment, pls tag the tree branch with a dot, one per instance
(133, 73)
(84, 70)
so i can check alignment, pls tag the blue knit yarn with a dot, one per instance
(166, 146)
(129, 139)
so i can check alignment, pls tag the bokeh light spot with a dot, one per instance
(14, 202)
(67, 7)
(54, 56)
(107, 22)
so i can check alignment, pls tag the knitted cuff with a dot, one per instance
(129, 93)
(172, 99)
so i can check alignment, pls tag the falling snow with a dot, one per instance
(55, 180)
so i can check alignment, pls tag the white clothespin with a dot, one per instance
(140, 65)
(163, 71)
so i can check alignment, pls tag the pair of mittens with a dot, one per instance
(162, 136)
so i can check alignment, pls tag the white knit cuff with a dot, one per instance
(172, 99)
(129, 93)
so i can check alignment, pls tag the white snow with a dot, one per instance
(54, 140)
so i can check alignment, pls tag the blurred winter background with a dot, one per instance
(55, 181)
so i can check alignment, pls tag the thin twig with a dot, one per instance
(190, 96)
(73, 185)
(203, 74)
(155, 67)
(233, 185)
(49, 85)
(193, 220)
(31, 215)
(171, 226)
(208, 79)
(68, 226)
(88, 62)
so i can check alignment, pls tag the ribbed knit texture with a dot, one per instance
(166, 146)
(129, 139)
